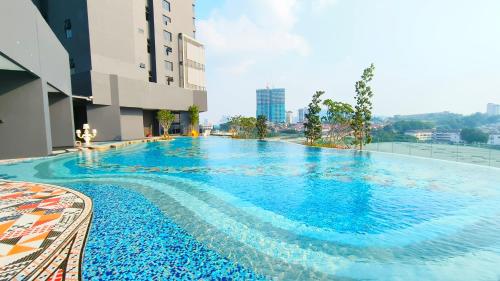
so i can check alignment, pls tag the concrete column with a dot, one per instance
(25, 126)
(106, 118)
(61, 120)
(132, 123)
(184, 123)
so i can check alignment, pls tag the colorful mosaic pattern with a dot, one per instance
(42, 231)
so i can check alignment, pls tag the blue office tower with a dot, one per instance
(271, 103)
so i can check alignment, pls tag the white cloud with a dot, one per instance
(238, 68)
(254, 28)
(320, 6)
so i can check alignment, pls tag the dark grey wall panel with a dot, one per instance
(25, 127)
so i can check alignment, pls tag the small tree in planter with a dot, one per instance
(248, 124)
(312, 127)
(339, 118)
(194, 119)
(235, 125)
(165, 117)
(361, 123)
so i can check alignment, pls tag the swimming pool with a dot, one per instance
(218, 208)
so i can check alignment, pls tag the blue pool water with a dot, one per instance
(217, 208)
(138, 229)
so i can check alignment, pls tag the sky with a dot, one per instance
(430, 55)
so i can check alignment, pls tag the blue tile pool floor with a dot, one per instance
(136, 241)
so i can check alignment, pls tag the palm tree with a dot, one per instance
(194, 117)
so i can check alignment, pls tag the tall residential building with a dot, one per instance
(289, 117)
(493, 109)
(271, 103)
(129, 59)
(302, 114)
(35, 87)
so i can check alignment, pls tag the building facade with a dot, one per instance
(494, 139)
(302, 114)
(36, 112)
(493, 109)
(128, 59)
(271, 103)
(289, 117)
(421, 135)
(446, 137)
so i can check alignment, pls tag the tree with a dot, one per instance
(471, 135)
(363, 110)
(165, 118)
(194, 117)
(247, 125)
(312, 127)
(339, 118)
(235, 125)
(261, 127)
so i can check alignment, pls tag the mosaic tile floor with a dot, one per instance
(143, 244)
(43, 229)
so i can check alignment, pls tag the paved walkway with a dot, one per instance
(43, 229)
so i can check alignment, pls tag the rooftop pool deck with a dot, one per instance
(222, 209)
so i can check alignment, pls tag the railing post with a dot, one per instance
(489, 149)
(432, 156)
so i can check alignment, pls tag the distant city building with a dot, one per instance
(493, 109)
(206, 127)
(289, 117)
(421, 135)
(494, 140)
(271, 103)
(449, 137)
(302, 114)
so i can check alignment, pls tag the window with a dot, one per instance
(72, 69)
(150, 73)
(148, 14)
(67, 29)
(168, 50)
(169, 66)
(166, 20)
(170, 80)
(149, 46)
(167, 35)
(166, 5)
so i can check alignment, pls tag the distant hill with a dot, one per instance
(450, 121)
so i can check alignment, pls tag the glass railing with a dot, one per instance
(481, 154)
